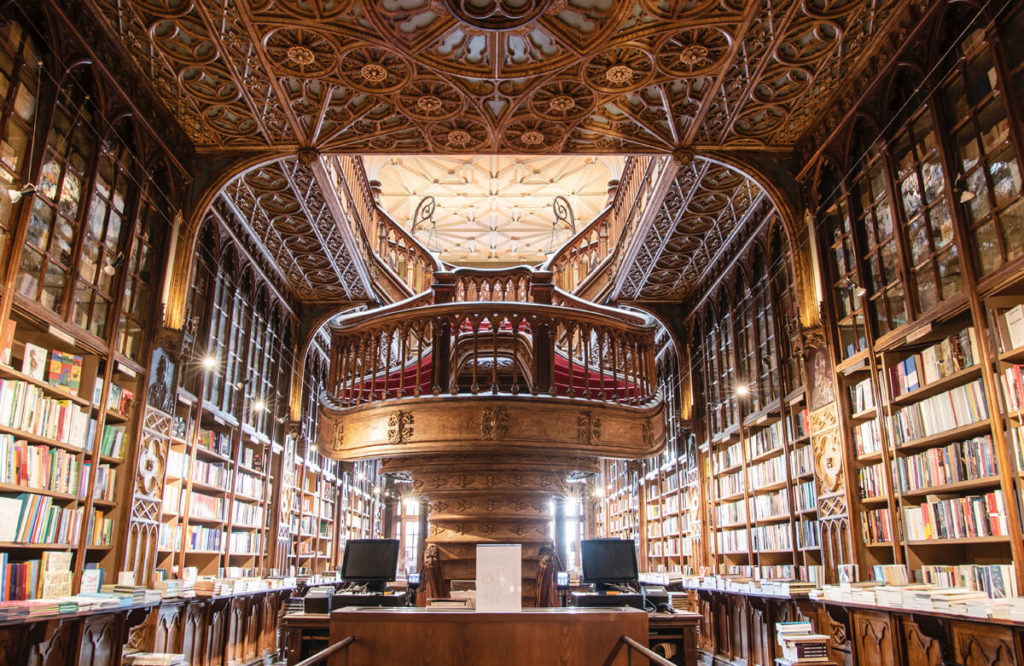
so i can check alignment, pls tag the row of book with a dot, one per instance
(876, 526)
(119, 399)
(955, 408)
(801, 463)
(871, 481)
(966, 517)
(100, 529)
(960, 461)
(38, 520)
(731, 513)
(806, 496)
(730, 484)
(767, 473)
(41, 467)
(808, 534)
(213, 440)
(995, 580)
(867, 438)
(57, 368)
(27, 408)
(206, 507)
(111, 441)
(770, 505)
(764, 440)
(106, 482)
(249, 485)
(862, 396)
(731, 456)
(1013, 387)
(798, 425)
(776, 537)
(245, 542)
(732, 541)
(949, 356)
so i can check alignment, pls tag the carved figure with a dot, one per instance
(548, 567)
(431, 580)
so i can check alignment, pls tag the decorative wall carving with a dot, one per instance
(400, 426)
(588, 428)
(494, 423)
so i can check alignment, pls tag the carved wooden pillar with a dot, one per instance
(478, 499)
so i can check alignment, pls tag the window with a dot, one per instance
(874, 219)
(841, 264)
(987, 162)
(46, 260)
(106, 223)
(927, 221)
(19, 83)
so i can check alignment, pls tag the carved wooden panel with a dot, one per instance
(192, 631)
(874, 640)
(762, 632)
(920, 648)
(739, 627)
(101, 640)
(167, 634)
(984, 645)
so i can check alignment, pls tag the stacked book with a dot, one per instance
(800, 645)
(155, 659)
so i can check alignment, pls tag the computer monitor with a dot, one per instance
(608, 561)
(370, 561)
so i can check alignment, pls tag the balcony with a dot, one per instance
(492, 360)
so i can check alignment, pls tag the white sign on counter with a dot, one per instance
(499, 578)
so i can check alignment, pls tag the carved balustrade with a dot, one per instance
(400, 251)
(586, 253)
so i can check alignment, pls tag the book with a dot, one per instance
(34, 362)
(56, 575)
(92, 580)
(7, 341)
(1014, 318)
(65, 371)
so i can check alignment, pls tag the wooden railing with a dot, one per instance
(408, 260)
(521, 284)
(631, 647)
(592, 249)
(322, 656)
(494, 347)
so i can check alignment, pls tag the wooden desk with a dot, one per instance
(679, 629)
(536, 636)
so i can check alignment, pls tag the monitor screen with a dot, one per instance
(370, 560)
(608, 560)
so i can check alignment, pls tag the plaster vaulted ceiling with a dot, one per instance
(493, 208)
(457, 77)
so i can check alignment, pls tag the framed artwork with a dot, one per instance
(161, 381)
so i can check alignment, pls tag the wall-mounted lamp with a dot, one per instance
(112, 267)
(742, 390)
(960, 186)
(209, 362)
(259, 405)
(16, 194)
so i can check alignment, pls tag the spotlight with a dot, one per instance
(210, 362)
(259, 405)
(376, 490)
(742, 390)
(598, 492)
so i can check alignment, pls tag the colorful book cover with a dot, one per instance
(34, 362)
(65, 371)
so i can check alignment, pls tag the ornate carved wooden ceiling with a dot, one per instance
(493, 208)
(512, 76)
(288, 215)
(706, 204)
